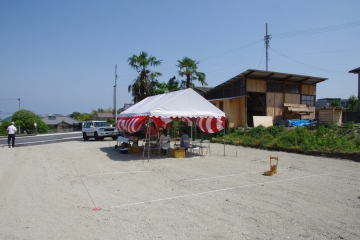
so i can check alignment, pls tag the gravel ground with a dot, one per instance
(87, 190)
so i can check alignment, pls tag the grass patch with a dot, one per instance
(325, 140)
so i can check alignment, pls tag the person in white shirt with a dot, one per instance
(164, 142)
(11, 130)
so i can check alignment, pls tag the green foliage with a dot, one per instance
(85, 116)
(74, 115)
(275, 130)
(328, 138)
(335, 103)
(3, 127)
(257, 131)
(353, 104)
(188, 69)
(348, 129)
(26, 119)
(146, 83)
(111, 121)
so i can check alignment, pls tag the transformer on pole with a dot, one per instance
(267, 41)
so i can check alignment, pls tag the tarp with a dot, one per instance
(297, 123)
(164, 108)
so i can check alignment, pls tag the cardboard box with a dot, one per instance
(134, 149)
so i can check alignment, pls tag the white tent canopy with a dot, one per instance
(162, 109)
(182, 103)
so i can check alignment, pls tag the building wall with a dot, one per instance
(253, 85)
(308, 89)
(292, 98)
(274, 106)
(234, 110)
(330, 115)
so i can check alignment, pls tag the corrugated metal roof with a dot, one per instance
(356, 70)
(203, 89)
(276, 76)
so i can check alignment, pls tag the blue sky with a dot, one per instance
(60, 56)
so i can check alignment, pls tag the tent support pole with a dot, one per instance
(149, 146)
(146, 138)
(224, 142)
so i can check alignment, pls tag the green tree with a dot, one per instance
(353, 104)
(335, 103)
(153, 84)
(74, 115)
(25, 119)
(145, 83)
(188, 68)
(85, 116)
(3, 127)
(173, 84)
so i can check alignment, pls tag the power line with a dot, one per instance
(261, 56)
(279, 35)
(231, 50)
(231, 65)
(311, 53)
(317, 30)
(306, 64)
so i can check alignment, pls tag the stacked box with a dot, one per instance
(134, 149)
(178, 152)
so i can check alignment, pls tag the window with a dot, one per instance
(274, 87)
(221, 105)
(308, 100)
(292, 88)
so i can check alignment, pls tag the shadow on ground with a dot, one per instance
(115, 155)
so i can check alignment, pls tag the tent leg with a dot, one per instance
(224, 142)
(146, 138)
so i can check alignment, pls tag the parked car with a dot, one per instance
(98, 130)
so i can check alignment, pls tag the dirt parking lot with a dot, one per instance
(87, 190)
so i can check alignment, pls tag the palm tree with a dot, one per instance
(144, 83)
(188, 67)
(173, 84)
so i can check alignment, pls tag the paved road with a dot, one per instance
(24, 140)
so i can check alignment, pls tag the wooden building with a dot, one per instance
(330, 115)
(263, 93)
(357, 71)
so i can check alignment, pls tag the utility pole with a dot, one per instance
(267, 41)
(19, 103)
(115, 94)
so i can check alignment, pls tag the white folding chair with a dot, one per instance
(205, 144)
(195, 146)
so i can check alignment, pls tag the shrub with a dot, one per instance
(321, 138)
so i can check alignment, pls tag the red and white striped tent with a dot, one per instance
(162, 109)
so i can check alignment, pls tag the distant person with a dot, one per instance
(11, 130)
(184, 136)
(164, 138)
